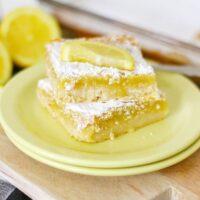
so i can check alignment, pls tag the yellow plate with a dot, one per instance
(28, 123)
(117, 171)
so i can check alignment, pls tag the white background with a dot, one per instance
(177, 18)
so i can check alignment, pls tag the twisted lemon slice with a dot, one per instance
(97, 53)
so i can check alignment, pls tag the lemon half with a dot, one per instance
(5, 64)
(97, 53)
(25, 31)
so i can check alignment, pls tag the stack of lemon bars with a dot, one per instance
(100, 88)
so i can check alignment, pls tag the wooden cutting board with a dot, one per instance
(41, 182)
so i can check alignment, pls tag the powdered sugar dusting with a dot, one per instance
(97, 108)
(45, 85)
(91, 108)
(85, 113)
(77, 69)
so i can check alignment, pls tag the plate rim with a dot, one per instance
(127, 171)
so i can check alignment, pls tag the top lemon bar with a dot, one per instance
(86, 82)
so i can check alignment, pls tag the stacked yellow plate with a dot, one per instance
(36, 133)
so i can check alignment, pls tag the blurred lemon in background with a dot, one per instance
(25, 31)
(5, 64)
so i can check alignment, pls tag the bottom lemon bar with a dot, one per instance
(99, 121)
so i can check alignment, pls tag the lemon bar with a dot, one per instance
(99, 121)
(86, 82)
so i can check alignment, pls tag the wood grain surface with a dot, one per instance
(41, 182)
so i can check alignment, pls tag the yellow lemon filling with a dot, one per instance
(97, 53)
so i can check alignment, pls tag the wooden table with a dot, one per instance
(41, 182)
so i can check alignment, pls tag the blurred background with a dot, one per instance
(168, 32)
(178, 19)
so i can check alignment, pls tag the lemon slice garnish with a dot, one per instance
(25, 31)
(5, 64)
(97, 53)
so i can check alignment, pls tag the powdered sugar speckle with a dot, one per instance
(97, 108)
(45, 85)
